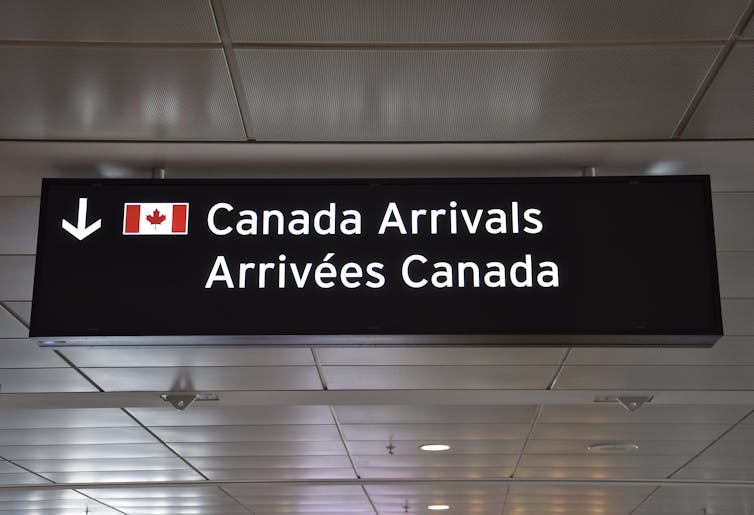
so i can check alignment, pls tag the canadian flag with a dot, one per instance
(145, 218)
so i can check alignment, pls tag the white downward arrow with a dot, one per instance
(81, 231)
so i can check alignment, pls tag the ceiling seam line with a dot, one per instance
(561, 366)
(580, 482)
(234, 72)
(165, 444)
(77, 369)
(320, 371)
(708, 446)
(505, 499)
(243, 506)
(577, 169)
(100, 502)
(641, 503)
(110, 44)
(464, 46)
(535, 419)
(713, 71)
(26, 469)
(14, 314)
(350, 458)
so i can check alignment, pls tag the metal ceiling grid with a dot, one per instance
(727, 109)
(470, 95)
(480, 21)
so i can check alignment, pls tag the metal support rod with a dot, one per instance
(663, 482)
(589, 171)
(159, 173)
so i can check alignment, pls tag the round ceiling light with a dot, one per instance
(434, 447)
(613, 448)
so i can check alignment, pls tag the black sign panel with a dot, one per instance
(575, 261)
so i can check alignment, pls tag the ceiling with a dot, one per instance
(389, 88)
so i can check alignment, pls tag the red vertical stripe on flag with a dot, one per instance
(133, 211)
(179, 217)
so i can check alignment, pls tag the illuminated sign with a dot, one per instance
(574, 261)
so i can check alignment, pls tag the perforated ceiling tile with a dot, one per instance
(444, 377)
(117, 93)
(41, 380)
(19, 230)
(732, 212)
(10, 327)
(187, 357)
(16, 277)
(727, 108)
(514, 95)
(650, 377)
(22, 353)
(205, 378)
(479, 21)
(108, 20)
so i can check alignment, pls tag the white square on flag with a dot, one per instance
(150, 218)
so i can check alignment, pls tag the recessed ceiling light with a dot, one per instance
(613, 448)
(438, 507)
(434, 447)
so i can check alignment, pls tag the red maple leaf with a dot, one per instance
(156, 218)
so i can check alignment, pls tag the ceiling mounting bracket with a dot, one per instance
(182, 400)
(629, 402)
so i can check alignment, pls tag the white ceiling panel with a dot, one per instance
(411, 447)
(613, 413)
(205, 378)
(593, 473)
(85, 451)
(697, 499)
(727, 108)
(433, 414)
(271, 462)
(43, 380)
(10, 327)
(108, 20)
(435, 472)
(386, 432)
(63, 418)
(103, 464)
(441, 356)
(18, 232)
(187, 357)
(117, 495)
(601, 462)
(437, 377)
(461, 95)
(292, 448)
(390, 21)
(280, 473)
(435, 460)
(259, 433)
(646, 447)
(26, 354)
(732, 212)
(16, 277)
(126, 476)
(75, 436)
(21, 310)
(117, 93)
(629, 432)
(21, 478)
(736, 273)
(238, 416)
(729, 350)
(737, 316)
(651, 377)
